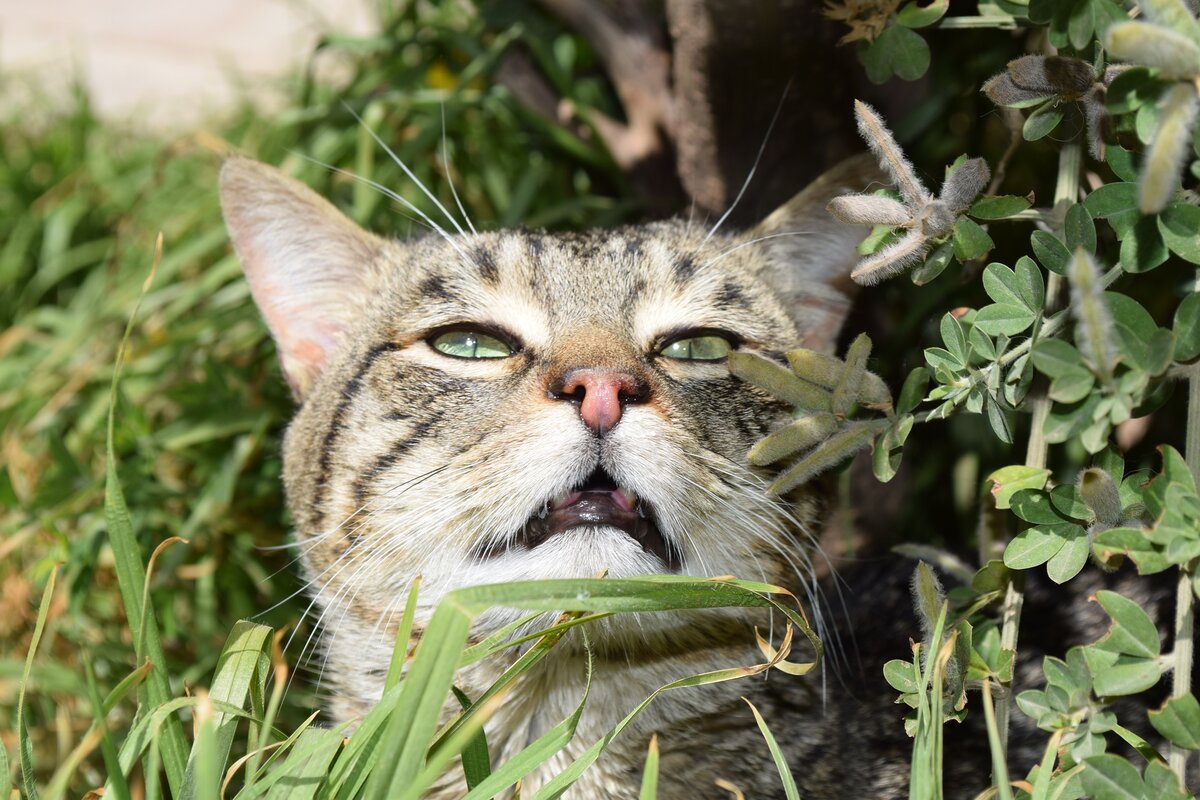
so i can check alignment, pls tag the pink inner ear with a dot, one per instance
(305, 345)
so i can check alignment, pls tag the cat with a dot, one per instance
(487, 407)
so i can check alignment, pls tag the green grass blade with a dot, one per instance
(545, 746)
(205, 757)
(649, 789)
(292, 749)
(411, 726)
(476, 762)
(999, 767)
(5, 772)
(242, 663)
(403, 635)
(112, 763)
(24, 748)
(131, 574)
(785, 772)
(299, 777)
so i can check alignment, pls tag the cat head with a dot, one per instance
(486, 407)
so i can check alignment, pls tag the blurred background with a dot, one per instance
(114, 117)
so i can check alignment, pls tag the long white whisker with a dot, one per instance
(411, 176)
(761, 149)
(450, 176)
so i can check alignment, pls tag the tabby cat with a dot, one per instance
(488, 407)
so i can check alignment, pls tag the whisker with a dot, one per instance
(754, 167)
(400, 163)
(450, 176)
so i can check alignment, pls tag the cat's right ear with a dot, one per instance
(309, 267)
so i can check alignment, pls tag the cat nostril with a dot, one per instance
(601, 394)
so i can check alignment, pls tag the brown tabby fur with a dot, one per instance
(402, 462)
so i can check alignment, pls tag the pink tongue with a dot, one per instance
(619, 499)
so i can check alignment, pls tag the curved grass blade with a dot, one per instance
(24, 748)
(785, 772)
(131, 573)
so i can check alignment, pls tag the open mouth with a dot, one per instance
(598, 501)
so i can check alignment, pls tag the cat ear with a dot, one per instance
(308, 266)
(808, 255)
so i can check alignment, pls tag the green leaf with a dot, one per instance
(915, 15)
(913, 391)
(970, 240)
(1135, 327)
(1110, 777)
(1187, 328)
(1142, 246)
(998, 207)
(1067, 500)
(1132, 631)
(1007, 481)
(1007, 320)
(1035, 506)
(1071, 387)
(1002, 285)
(1112, 198)
(998, 418)
(1179, 225)
(954, 338)
(1042, 121)
(1127, 676)
(1030, 283)
(1035, 546)
(1162, 783)
(1179, 721)
(1067, 562)
(1054, 357)
(934, 265)
(1050, 252)
(900, 676)
(1079, 229)
(898, 51)
(1120, 159)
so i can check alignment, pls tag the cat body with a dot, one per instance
(489, 407)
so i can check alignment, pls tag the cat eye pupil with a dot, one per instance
(698, 348)
(470, 344)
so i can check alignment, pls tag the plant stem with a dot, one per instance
(1066, 191)
(1182, 652)
(1001, 22)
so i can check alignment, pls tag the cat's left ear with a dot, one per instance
(807, 255)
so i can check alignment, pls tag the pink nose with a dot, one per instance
(602, 395)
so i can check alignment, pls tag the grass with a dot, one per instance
(144, 508)
(199, 410)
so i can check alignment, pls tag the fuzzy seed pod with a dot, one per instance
(1165, 159)
(890, 156)
(1172, 53)
(1093, 323)
(869, 209)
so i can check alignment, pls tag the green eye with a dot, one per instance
(698, 348)
(471, 344)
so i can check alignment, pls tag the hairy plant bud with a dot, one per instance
(1167, 153)
(869, 209)
(1093, 323)
(799, 435)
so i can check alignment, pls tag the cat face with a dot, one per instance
(517, 405)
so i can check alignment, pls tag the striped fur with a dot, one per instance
(403, 462)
